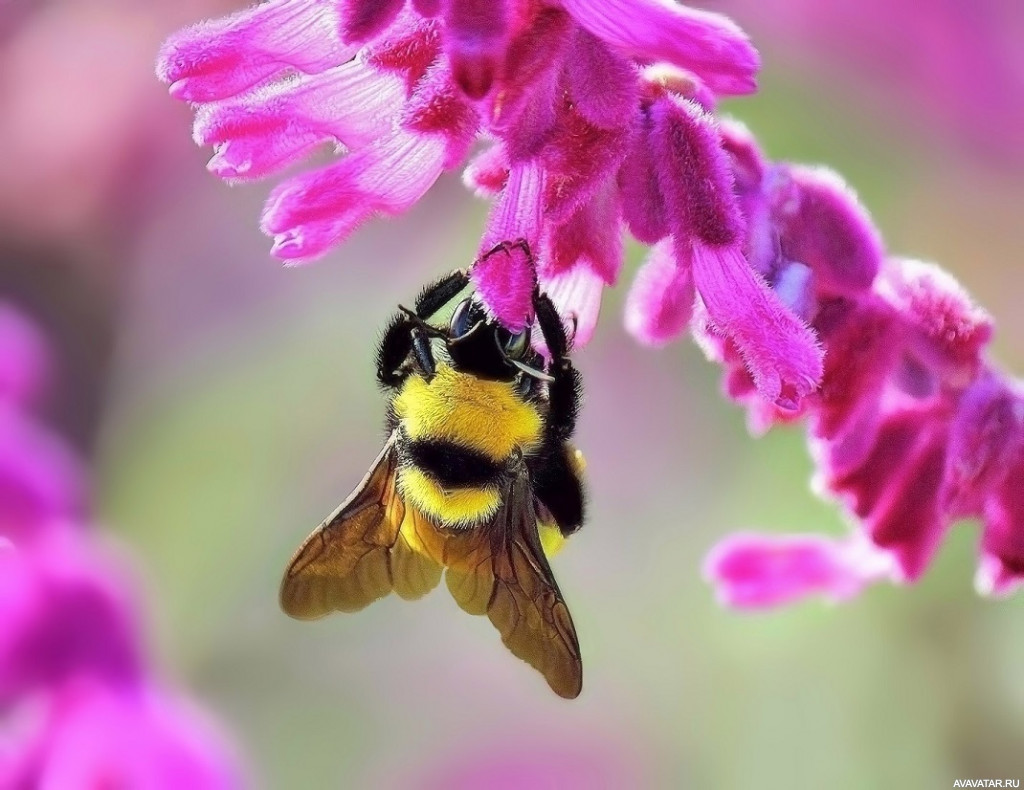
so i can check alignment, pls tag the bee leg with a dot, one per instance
(423, 353)
(565, 391)
(440, 292)
(557, 484)
(401, 338)
(550, 326)
(393, 350)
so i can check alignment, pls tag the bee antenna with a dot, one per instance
(430, 329)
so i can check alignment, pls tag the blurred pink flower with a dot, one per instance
(96, 736)
(956, 63)
(69, 648)
(912, 427)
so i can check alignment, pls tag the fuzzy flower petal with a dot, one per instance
(506, 279)
(707, 44)
(660, 301)
(951, 328)
(779, 350)
(221, 58)
(41, 483)
(352, 105)
(361, 20)
(987, 434)
(576, 294)
(751, 571)
(603, 85)
(476, 43)
(824, 226)
(1001, 569)
(311, 213)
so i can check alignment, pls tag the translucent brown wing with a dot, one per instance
(500, 570)
(363, 551)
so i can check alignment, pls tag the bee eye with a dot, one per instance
(516, 345)
(460, 324)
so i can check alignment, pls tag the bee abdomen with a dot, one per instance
(452, 465)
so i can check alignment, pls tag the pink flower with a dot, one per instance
(93, 735)
(599, 117)
(912, 427)
(584, 136)
(962, 48)
(70, 645)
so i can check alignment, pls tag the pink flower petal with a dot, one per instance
(579, 159)
(505, 281)
(64, 615)
(864, 345)
(97, 736)
(223, 57)
(592, 235)
(438, 107)
(24, 358)
(521, 109)
(643, 205)
(352, 105)
(576, 294)
(751, 571)
(487, 174)
(427, 8)
(660, 301)
(823, 225)
(952, 329)
(310, 213)
(896, 490)
(476, 40)
(707, 44)
(361, 20)
(603, 85)
(780, 351)
(1002, 542)
(41, 482)
(987, 434)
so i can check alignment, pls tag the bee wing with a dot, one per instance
(361, 552)
(501, 571)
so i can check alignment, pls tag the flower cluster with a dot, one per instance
(79, 705)
(912, 427)
(596, 114)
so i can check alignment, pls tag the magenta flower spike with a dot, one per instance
(73, 672)
(912, 426)
(600, 116)
(562, 90)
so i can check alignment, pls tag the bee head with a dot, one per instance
(481, 346)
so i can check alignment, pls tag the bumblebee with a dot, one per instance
(477, 466)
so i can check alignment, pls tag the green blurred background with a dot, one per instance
(226, 404)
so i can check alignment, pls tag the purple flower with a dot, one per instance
(960, 48)
(912, 427)
(72, 668)
(93, 735)
(597, 117)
